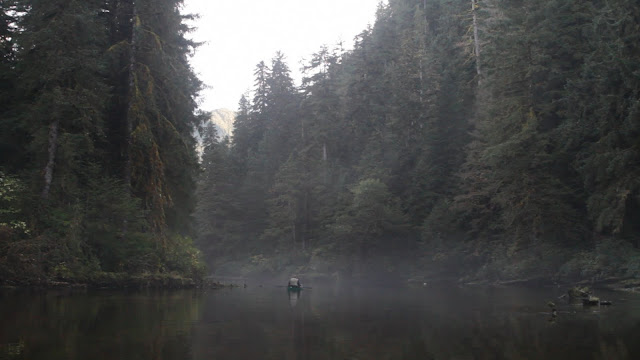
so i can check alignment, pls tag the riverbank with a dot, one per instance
(616, 284)
(106, 280)
(603, 267)
(609, 265)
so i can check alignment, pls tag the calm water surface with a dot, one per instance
(325, 322)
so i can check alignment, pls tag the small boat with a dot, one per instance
(294, 284)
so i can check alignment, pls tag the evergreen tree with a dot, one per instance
(13, 136)
(372, 220)
(283, 128)
(603, 108)
(62, 76)
(432, 104)
(287, 206)
(217, 212)
(321, 105)
(510, 125)
(101, 121)
(155, 111)
(519, 157)
(242, 135)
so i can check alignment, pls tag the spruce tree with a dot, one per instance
(62, 76)
(603, 109)
(517, 155)
(13, 135)
(155, 111)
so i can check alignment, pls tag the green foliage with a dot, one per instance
(98, 155)
(604, 108)
(182, 257)
(12, 134)
(399, 147)
(12, 217)
(372, 220)
(518, 180)
(107, 206)
(610, 258)
(510, 171)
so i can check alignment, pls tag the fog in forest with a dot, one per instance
(475, 141)
(461, 181)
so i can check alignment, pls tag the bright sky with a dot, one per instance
(241, 33)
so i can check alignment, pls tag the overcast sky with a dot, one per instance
(241, 33)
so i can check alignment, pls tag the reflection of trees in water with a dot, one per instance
(315, 324)
(495, 333)
(102, 325)
(460, 326)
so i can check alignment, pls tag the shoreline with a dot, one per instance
(119, 281)
(123, 281)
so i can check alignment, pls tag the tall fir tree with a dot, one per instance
(603, 109)
(155, 111)
(62, 75)
(13, 135)
(517, 159)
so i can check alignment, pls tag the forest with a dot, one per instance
(475, 140)
(98, 164)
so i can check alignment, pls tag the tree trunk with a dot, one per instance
(53, 147)
(293, 235)
(324, 162)
(128, 126)
(476, 41)
(305, 228)
(131, 96)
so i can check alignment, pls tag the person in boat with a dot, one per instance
(294, 282)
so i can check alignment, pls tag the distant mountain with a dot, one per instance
(223, 120)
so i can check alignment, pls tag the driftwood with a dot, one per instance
(584, 294)
(591, 301)
(579, 292)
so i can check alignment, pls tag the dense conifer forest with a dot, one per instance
(98, 164)
(468, 139)
(464, 139)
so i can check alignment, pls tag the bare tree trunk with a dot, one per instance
(305, 228)
(53, 147)
(476, 41)
(424, 33)
(301, 126)
(293, 234)
(424, 10)
(128, 128)
(131, 95)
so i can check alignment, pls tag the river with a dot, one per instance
(323, 322)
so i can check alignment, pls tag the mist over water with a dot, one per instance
(324, 321)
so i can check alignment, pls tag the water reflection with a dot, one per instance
(293, 297)
(103, 325)
(318, 323)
